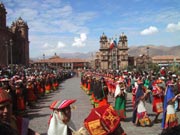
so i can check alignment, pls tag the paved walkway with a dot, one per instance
(70, 89)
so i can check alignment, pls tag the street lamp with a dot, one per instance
(6, 45)
(147, 57)
(11, 44)
(43, 60)
(147, 51)
(43, 56)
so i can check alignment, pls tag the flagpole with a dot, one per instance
(111, 56)
(116, 50)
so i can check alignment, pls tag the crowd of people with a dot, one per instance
(20, 89)
(161, 90)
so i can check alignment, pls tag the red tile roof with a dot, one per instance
(56, 59)
(165, 57)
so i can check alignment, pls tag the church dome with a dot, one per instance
(103, 37)
(2, 8)
(2, 5)
(123, 35)
(21, 22)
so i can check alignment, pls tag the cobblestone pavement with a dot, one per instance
(70, 89)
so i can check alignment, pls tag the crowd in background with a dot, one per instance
(161, 90)
(20, 89)
(25, 85)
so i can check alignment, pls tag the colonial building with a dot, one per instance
(14, 42)
(142, 61)
(63, 63)
(166, 60)
(97, 61)
(113, 54)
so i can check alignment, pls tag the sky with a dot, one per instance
(68, 26)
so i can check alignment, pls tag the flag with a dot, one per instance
(115, 43)
(112, 44)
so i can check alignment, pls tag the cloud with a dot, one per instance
(60, 45)
(50, 17)
(47, 49)
(52, 48)
(149, 31)
(46, 45)
(172, 27)
(80, 41)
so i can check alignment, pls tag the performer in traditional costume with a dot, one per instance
(103, 120)
(31, 97)
(40, 87)
(88, 84)
(178, 86)
(21, 107)
(60, 118)
(140, 116)
(55, 83)
(105, 92)
(158, 98)
(120, 99)
(48, 84)
(163, 71)
(92, 89)
(169, 115)
(134, 90)
(6, 87)
(100, 94)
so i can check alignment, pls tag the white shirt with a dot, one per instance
(141, 107)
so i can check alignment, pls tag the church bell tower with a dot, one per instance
(2, 16)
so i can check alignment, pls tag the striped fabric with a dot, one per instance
(60, 104)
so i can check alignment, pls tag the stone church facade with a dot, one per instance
(14, 42)
(113, 54)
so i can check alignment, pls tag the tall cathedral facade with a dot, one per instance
(113, 53)
(14, 42)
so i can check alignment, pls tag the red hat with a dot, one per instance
(140, 81)
(4, 80)
(102, 120)
(60, 104)
(159, 81)
(4, 97)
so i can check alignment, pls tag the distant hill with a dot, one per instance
(133, 51)
(77, 55)
(154, 50)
